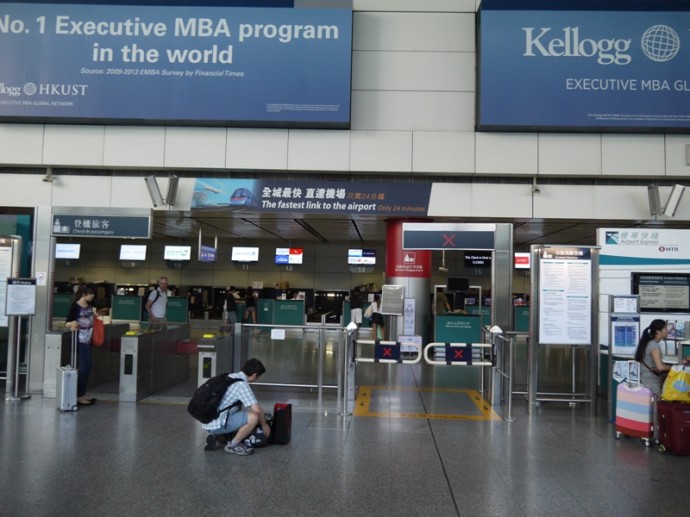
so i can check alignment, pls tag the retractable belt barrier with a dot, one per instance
(390, 352)
(459, 354)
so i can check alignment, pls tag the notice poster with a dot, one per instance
(625, 333)
(565, 296)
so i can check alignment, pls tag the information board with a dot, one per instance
(565, 296)
(20, 299)
(392, 299)
(625, 333)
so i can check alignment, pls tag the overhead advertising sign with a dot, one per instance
(226, 66)
(581, 65)
(315, 197)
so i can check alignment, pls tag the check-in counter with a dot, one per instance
(215, 356)
(149, 364)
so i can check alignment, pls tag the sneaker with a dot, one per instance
(238, 449)
(210, 442)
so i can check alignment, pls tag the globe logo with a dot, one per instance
(660, 43)
(30, 89)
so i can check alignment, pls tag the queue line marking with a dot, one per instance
(364, 398)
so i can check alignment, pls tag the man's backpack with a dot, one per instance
(146, 299)
(204, 405)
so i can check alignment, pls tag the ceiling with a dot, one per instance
(297, 229)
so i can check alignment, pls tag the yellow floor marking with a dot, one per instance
(364, 397)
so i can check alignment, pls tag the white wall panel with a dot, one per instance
(199, 147)
(415, 5)
(257, 148)
(506, 153)
(629, 155)
(676, 164)
(501, 200)
(422, 71)
(418, 31)
(25, 190)
(425, 111)
(127, 146)
(570, 154)
(450, 200)
(73, 145)
(319, 150)
(381, 151)
(84, 191)
(436, 152)
(21, 144)
(564, 201)
(621, 202)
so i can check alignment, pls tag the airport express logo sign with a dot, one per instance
(659, 43)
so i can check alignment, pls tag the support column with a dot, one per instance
(412, 269)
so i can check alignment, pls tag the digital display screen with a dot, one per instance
(244, 254)
(177, 253)
(662, 291)
(133, 252)
(67, 251)
(289, 255)
(361, 257)
(477, 259)
(522, 260)
(207, 253)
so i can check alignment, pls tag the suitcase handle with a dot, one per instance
(73, 358)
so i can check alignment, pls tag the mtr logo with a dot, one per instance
(659, 43)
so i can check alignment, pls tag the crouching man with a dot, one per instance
(242, 419)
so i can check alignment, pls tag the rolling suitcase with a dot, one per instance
(66, 386)
(281, 426)
(674, 427)
(634, 408)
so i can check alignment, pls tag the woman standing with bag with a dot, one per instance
(649, 354)
(80, 319)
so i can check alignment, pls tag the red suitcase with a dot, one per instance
(635, 412)
(674, 427)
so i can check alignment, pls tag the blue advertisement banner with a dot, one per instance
(227, 66)
(574, 70)
(312, 197)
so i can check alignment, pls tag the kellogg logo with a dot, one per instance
(12, 91)
(671, 249)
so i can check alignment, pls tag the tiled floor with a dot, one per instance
(148, 459)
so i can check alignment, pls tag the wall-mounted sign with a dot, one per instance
(97, 225)
(448, 236)
(20, 297)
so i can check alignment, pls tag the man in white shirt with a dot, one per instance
(157, 302)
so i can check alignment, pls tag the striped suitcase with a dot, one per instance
(635, 412)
